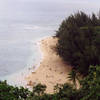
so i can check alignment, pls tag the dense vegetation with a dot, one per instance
(89, 90)
(79, 41)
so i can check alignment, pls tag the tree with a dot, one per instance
(73, 77)
(39, 89)
(91, 84)
(78, 45)
(94, 20)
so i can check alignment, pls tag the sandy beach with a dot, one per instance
(52, 69)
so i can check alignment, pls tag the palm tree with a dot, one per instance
(73, 77)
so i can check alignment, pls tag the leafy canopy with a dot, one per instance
(79, 41)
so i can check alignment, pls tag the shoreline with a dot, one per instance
(18, 78)
(49, 70)
(38, 43)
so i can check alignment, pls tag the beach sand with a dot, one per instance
(52, 69)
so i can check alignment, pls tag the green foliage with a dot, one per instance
(73, 76)
(89, 90)
(79, 41)
(4, 91)
(65, 92)
(39, 89)
(91, 84)
(8, 92)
